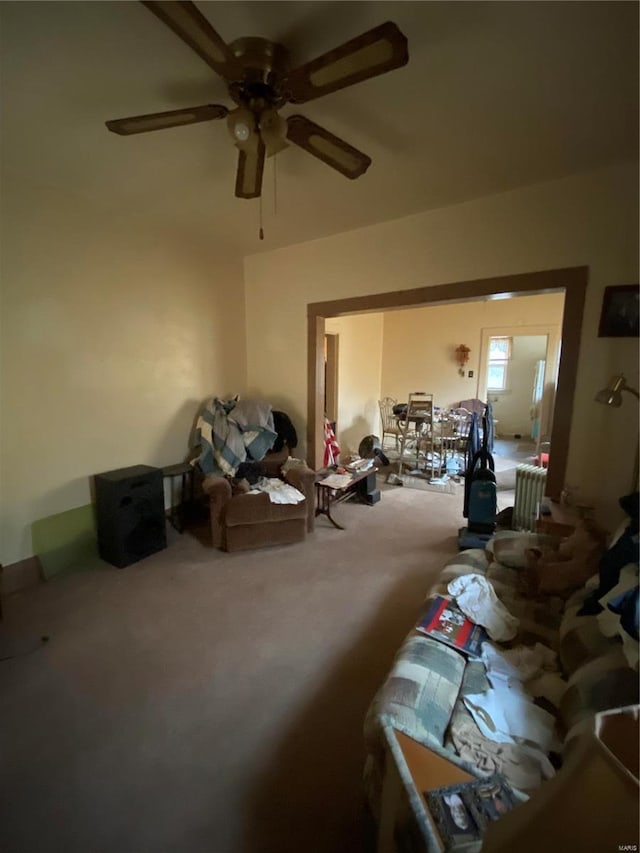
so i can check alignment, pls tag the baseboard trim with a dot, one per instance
(20, 575)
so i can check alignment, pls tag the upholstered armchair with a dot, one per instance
(245, 521)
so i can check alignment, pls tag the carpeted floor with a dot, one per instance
(200, 702)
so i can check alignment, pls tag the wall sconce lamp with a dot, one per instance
(462, 357)
(612, 396)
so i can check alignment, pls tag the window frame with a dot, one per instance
(499, 362)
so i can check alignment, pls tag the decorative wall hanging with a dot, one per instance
(619, 315)
(462, 357)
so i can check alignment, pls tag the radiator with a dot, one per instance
(530, 483)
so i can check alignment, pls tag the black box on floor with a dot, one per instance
(130, 514)
(367, 484)
(372, 497)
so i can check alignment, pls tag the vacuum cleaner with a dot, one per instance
(480, 493)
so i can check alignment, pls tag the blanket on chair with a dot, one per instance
(230, 431)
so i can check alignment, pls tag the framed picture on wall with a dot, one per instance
(619, 316)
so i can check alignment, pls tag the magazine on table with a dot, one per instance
(445, 621)
(336, 481)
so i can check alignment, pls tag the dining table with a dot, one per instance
(445, 431)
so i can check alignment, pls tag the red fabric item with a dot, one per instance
(331, 447)
(542, 461)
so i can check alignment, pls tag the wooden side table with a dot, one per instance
(410, 770)
(184, 470)
(327, 496)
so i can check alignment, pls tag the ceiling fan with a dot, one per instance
(260, 82)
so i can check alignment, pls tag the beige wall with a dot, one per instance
(111, 337)
(587, 219)
(512, 407)
(419, 344)
(112, 334)
(359, 368)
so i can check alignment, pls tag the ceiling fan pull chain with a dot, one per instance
(275, 185)
(261, 232)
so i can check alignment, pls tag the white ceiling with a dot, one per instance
(495, 95)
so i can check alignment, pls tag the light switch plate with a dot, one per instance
(470, 374)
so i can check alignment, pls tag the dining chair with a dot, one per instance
(417, 428)
(463, 419)
(473, 405)
(390, 423)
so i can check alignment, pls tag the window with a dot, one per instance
(499, 355)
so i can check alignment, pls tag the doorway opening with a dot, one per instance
(570, 282)
(518, 376)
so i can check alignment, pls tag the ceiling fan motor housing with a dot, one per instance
(264, 64)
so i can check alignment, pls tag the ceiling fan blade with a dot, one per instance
(172, 118)
(250, 169)
(192, 27)
(332, 150)
(372, 53)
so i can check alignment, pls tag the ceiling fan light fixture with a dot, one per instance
(241, 131)
(241, 124)
(273, 130)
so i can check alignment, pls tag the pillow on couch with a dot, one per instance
(561, 571)
(420, 691)
(474, 560)
(509, 547)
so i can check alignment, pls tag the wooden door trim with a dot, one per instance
(570, 280)
(332, 390)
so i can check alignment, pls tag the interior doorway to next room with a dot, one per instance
(570, 282)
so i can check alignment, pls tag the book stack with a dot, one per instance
(444, 621)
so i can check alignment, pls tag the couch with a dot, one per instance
(244, 521)
(422, 695)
